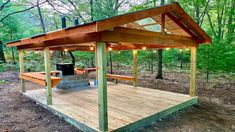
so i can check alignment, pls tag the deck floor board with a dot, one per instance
(126, 104)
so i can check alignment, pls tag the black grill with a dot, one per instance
(65, 68)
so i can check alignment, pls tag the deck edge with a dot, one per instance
(68, 119)
(153, 118)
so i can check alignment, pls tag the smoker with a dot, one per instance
(65, 68)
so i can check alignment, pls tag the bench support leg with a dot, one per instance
(135, 68)
(193, 72)
(48, 75)
(21, 60)
(102, 85)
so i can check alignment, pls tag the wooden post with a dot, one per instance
(48, 75)
(102, 85)
(193, 72)
(135, 68)
(21, 60)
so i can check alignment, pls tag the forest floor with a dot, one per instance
(214, 112)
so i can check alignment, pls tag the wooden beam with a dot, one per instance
(136, 36)
(62, 33)
(135, 68)
(193, 72)
(48, 75)
(81, 39)
(149, 24)
(193, 25)
(186, 29)
(21, 61)
(102, 86)
(132, 17)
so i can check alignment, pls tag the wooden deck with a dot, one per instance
(128, 107)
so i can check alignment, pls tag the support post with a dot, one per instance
(48, 75)
(193, 72)
(21, 60)
(102, 85)
(135, 68)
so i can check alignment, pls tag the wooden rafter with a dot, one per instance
(88, 28)
(145, 37)
(90, 32)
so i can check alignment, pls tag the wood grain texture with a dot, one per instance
(47, 65)
(127, 106)
(193, 72)
(102, 85)
(21, 61)
(135, 67)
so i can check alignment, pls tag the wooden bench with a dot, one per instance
(40, 78)
(82, 71)
(121, 77)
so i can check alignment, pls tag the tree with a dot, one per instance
(159, 72)
(2, 57)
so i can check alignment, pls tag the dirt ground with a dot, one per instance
(214, 112)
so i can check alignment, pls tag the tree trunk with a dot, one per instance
(40, 17)
(151, 62)
(208, 64)
(197, 11)
(181, 60)
(159, 72)
(111, 62)
(12, 51)
(2, 57)
(91, 10)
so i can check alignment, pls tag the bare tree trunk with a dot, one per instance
(111, 62)
(230, 20)
(92, 10)
(159, 73)
(181, 61)
(151, 62)
(2, 57)
(40, 17)
(208, 62)
(12, 51)
(197, 11)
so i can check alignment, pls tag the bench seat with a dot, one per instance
(40, 78)
(120, 77)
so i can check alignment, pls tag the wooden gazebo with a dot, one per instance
(167, 26)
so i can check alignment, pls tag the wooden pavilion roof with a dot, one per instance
(123, 32)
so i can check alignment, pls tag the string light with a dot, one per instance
(144, 48)
(187, 49)
(180, 50)
(119, 52)
(36, 52)
(51, 51)
(154, 51)
(27, 52)
(167, 48)
(110, 49)
(65, 50)
(91, 47)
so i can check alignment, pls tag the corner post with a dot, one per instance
(48, 75)
(21, 60)
(193, 72)
(135, 68)
(102, 85)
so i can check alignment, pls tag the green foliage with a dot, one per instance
(215, 17)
